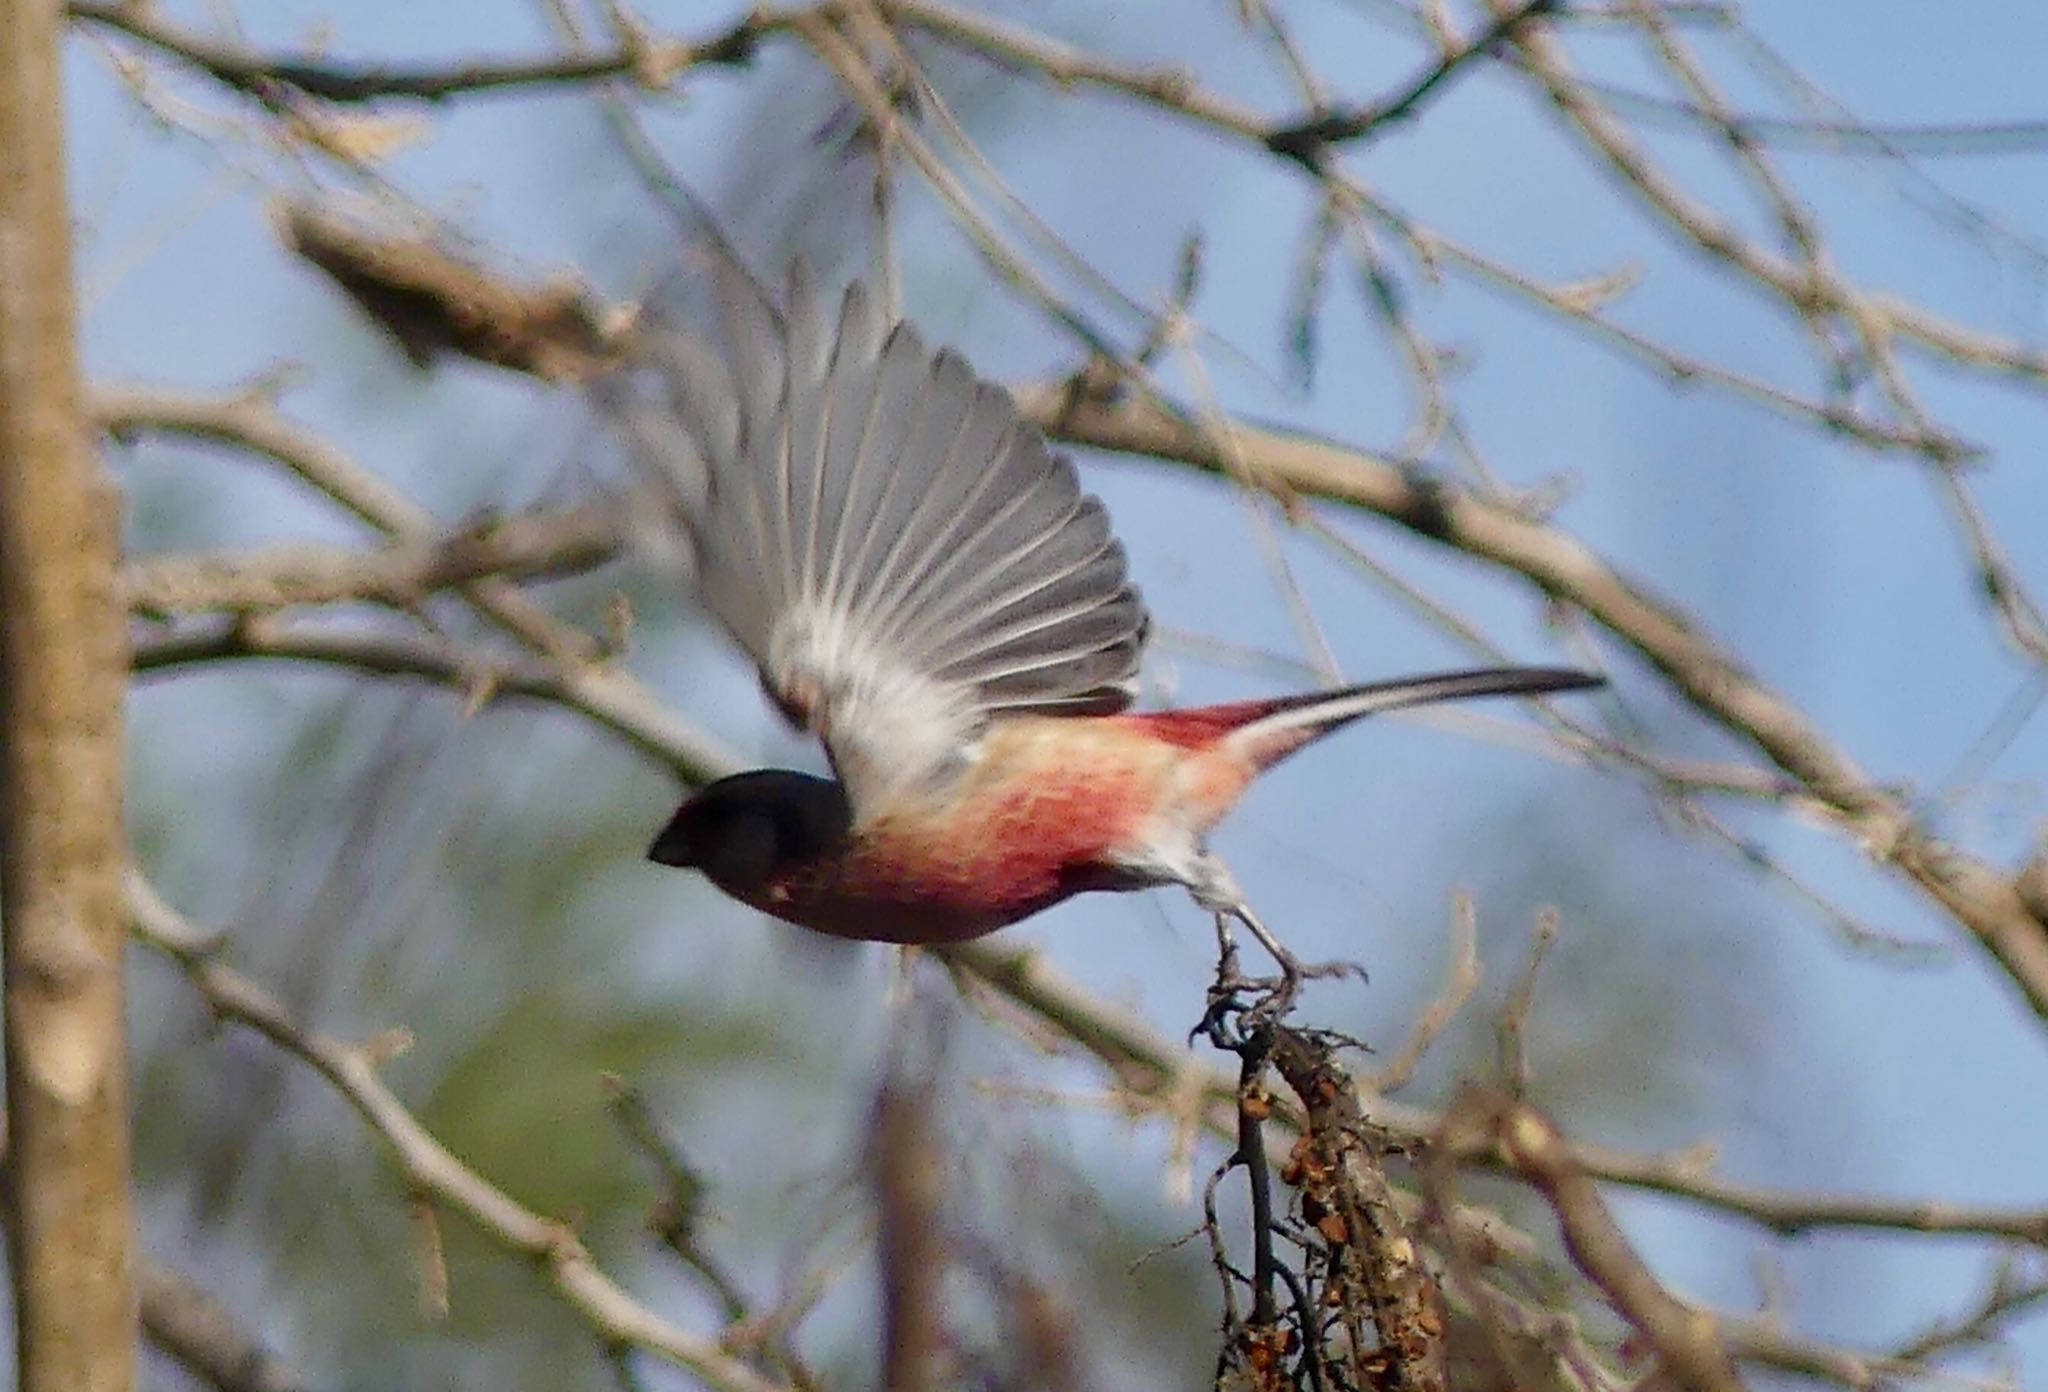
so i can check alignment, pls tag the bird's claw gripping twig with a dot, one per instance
(1229, 1017)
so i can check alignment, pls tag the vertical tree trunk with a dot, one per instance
(62, 674)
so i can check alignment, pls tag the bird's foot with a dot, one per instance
(1240, 1006)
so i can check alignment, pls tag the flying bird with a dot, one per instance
(922, 584)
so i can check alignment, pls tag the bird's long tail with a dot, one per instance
(1265, 732)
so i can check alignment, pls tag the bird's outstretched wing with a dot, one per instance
(903, 557)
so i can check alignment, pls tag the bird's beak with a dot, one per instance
(674, 846)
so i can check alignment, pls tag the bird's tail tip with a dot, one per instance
(1287, 725)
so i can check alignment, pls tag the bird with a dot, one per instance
(922, 583)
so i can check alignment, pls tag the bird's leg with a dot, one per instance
(1293, 971)
(1217, 892)
(1224, 993)
(1226, 953)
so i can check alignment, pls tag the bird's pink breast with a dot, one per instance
(1040, 816)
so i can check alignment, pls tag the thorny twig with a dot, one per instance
(1386, 1324)
(1371, 1262)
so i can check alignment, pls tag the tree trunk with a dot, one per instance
(62, 674)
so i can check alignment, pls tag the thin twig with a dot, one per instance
(1459, 984)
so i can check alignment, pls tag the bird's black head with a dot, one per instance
(743, 829)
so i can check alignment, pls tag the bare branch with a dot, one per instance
(2008, 1295)
(1069, 66)
(1807, 133)
(268, 76)
(1510, 1033)
(250, 423)
(204, 1337)
(1459, 984)
(434, 304)
(677, 1221)
(531, 546)
(610, 698)
(1308, 140)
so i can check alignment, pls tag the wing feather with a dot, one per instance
(1070, 603)
(902, 556)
